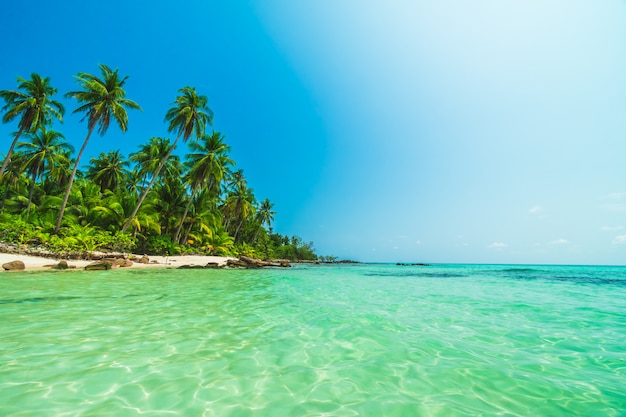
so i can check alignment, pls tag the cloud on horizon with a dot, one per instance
(619, 240)
(498, 245)
(559, 241)
(611, 228)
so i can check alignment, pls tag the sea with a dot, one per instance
(315, 340)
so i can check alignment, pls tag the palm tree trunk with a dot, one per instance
(238, 227)
(147, 190)
(256, 234)
(32, 188)
(69, 186)
(186, 237)
(180, 226)
(8, 157)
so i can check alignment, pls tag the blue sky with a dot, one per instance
(432, 131)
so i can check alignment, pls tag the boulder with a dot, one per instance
(144, 260)
(126, 264)
(236, 263)
(99, 266)
(61, 265)
(14, 266)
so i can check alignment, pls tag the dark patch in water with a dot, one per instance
(417, 274)
(519, 270)
(37, 300)
(64, 298)
(532, 274)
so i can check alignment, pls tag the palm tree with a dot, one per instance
(189, 115)
(240, 204)
(207, 162)
(204, 217)
(264, 215)
(45, 152)
(108, 170)
(149, 157)
(101, 99)
(32, 103)
(236, 180)
(169, 202)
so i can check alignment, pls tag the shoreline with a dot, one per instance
(40, 263)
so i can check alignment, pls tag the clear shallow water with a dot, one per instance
(363, 340)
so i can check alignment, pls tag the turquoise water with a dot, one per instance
(362, 340)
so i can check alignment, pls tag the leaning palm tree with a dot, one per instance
(45, 152)
(32, 103)
(148, 158)
(207, 164)
(101, 99)
(189, 115)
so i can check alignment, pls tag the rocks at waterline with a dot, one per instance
(14, 266)
(99, 266)
(62, 265)
(243, 262)
(251, 263)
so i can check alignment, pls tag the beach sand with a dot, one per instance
(34, 263)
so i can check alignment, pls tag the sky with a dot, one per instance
(397, 131)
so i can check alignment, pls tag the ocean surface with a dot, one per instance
(352, 340)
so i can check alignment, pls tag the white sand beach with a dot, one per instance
(39, 263)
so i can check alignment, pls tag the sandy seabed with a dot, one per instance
(40, 263)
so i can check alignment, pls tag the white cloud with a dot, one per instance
(498, 245)
(620, 240)
(559, 241)
(615, 207)
(617, 196)
(418, 242)
(611, 228)
(535, 209)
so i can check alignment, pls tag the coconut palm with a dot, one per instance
(264, 215)
(208, 163)
(45, 153)
(108, 170)
(240, 205)
(169, 202)
(149, 157)
(204, 217)
(33, 104)
(189, 116)
(101, 99)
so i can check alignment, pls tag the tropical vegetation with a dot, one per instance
(151, 201)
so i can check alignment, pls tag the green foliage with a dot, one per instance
(244, 249)
(161, 245)
(166, 206)
(292, 248)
